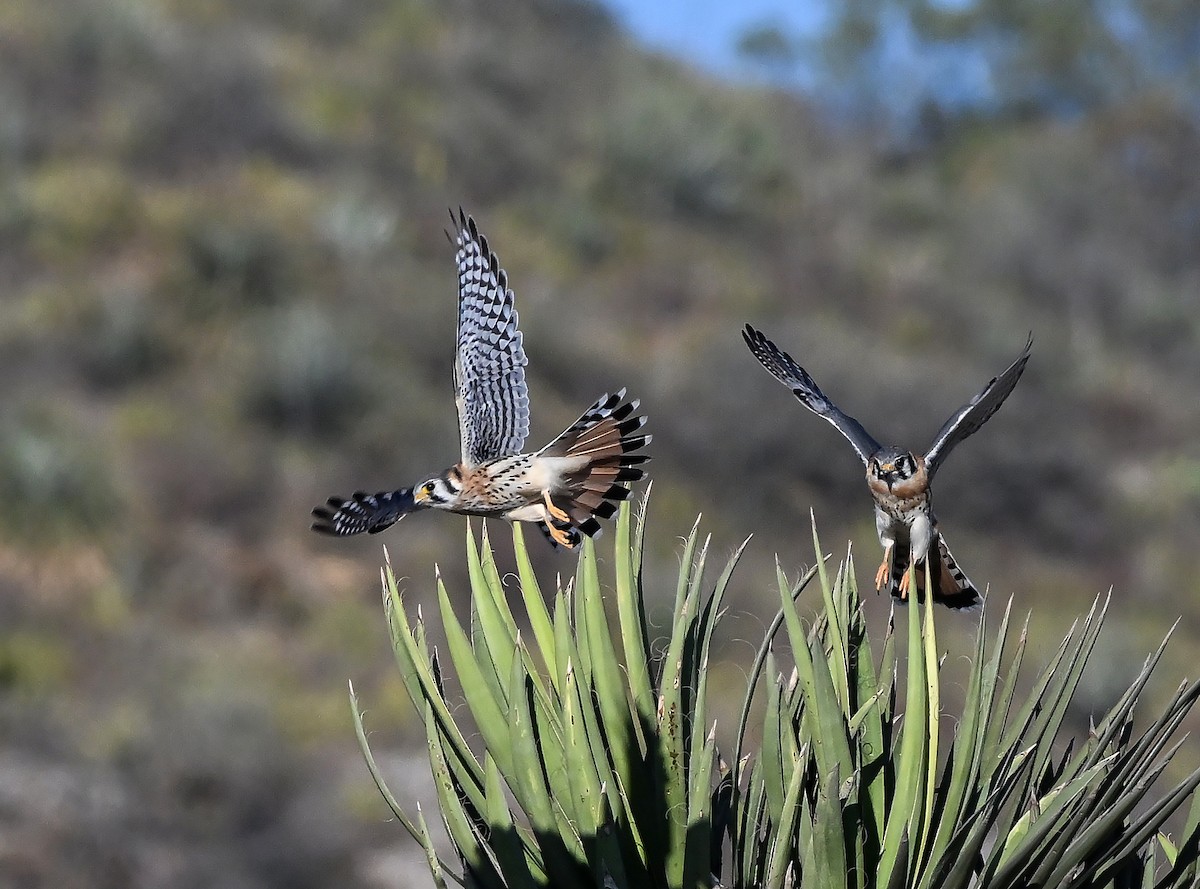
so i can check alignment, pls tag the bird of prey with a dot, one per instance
(564, 487)
(899, 480)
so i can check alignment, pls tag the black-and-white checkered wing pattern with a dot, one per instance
(489, 367)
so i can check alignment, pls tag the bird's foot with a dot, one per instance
(904, 583)
(881, 576)
(562, 536)
(554, 511)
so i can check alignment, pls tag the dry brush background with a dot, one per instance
(227, 295)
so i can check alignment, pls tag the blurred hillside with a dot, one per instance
(227, 295)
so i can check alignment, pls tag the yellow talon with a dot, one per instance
(904, 585)
(561, 536)
(881, 575)
(554, 511)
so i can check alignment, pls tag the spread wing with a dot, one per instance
(489, 363)
(363, 512)
(783, 367)
(970, 418)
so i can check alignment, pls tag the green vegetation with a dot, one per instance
(598, 763)
(227, 295)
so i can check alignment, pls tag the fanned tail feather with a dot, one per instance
(606, 435)
(951, 586)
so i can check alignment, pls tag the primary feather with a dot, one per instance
(969, 418)
(489, 366)
(784, 368)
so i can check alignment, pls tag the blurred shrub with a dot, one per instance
(213, 775)
(211, 98)
(234, 265)
(75, 208)
(357, 225)
(31, 662)
(586, 231)
(701, 154)
(243, 262)
(306, 379)
(54, 481)
(227, 481)
(122, 340)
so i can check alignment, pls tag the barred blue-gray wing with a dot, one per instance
(970, 418)
(784, 368)
(564, 488)
(363, 512)
(489, 364)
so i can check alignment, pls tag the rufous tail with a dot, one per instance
(607, 434)
(951, 587)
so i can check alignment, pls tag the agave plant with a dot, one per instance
(606, 757)
(847, 791)
(596, 763)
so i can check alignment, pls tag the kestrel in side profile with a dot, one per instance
(564, 487)
(900, 480)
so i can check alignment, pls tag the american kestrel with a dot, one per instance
(563, 487)
(900, 480)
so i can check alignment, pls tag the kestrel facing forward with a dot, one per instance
(563, 487)
(898, 479)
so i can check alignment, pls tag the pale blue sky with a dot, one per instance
(705, 31)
